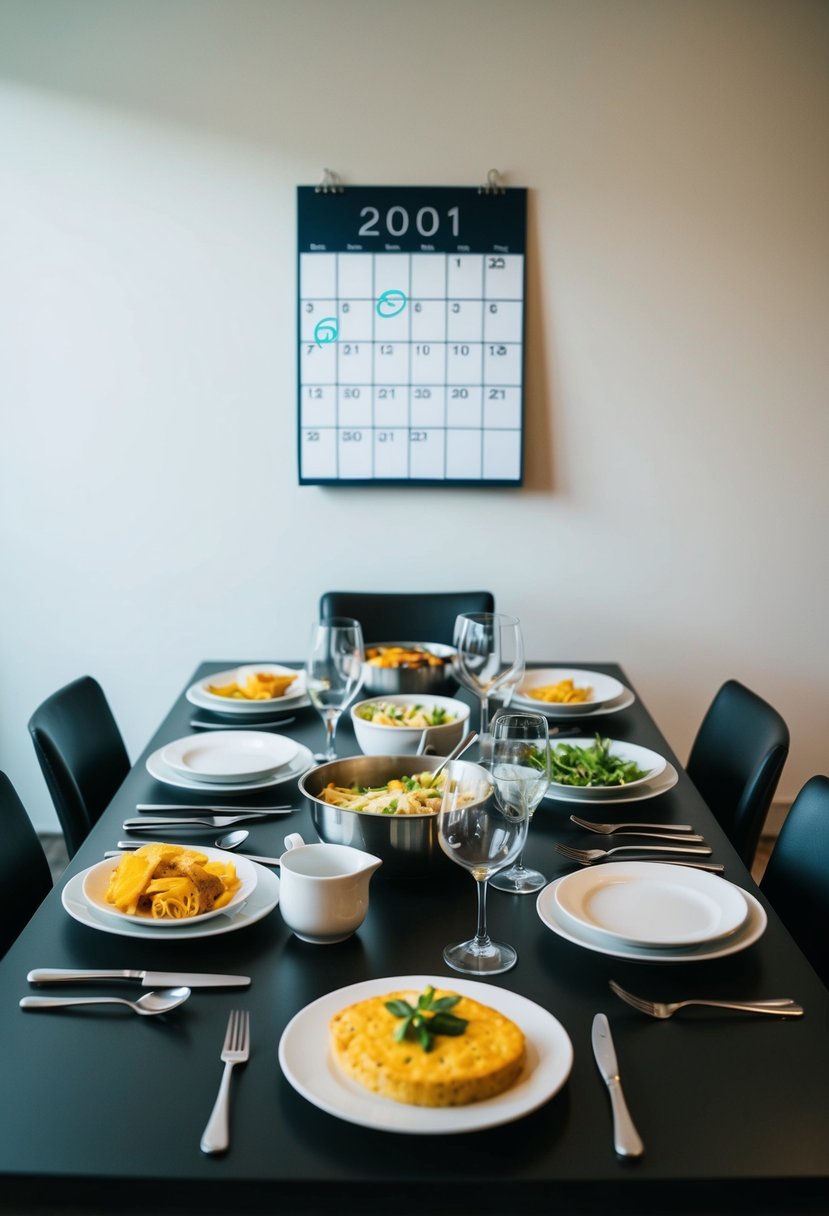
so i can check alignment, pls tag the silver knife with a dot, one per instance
(151, 807)
(626, 1139)
(149, 979)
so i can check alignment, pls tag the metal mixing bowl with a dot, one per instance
(408, 844)
(379, 681)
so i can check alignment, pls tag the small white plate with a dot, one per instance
(229, 755)
(302, 761)
(96, 880)
(603, 689)
(643, 904)
(263, 900)
(649, 789)
(650, 762)
(199, 694)
(749, 932)
(305, 1058)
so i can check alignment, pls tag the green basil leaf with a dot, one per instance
(400, 1009)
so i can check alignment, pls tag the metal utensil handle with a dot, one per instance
(700, 850)
(626, 1139)
(43, 975)
(52, 1002)
(782, 1007)
(216, 1135)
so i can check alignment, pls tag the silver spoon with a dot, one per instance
(461, 747)
(152, 1002)
(230, 840)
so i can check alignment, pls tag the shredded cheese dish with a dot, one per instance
(563, 693)
(406, 796)
(169, 882)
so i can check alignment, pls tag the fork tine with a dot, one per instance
(229, 1033)
(636, 1001)
(570, 853)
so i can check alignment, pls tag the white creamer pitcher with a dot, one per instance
(323, 889)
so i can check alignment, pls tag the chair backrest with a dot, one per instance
(736, 761)
(81, 753)
(405, 616)
(24, 872)
(796, 881)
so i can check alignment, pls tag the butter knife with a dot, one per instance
(626, 1139)
(149, 979)
(152, 807)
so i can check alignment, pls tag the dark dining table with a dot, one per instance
(103, 1111)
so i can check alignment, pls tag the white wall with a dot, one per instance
(676, 507)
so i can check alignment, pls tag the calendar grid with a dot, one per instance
(411, 349)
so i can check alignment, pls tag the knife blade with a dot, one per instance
(152, 807)
(149, 979)
(626, 1140)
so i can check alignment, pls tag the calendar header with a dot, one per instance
(411, 219)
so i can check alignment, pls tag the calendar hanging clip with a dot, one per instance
(330, 183)
(494, 185)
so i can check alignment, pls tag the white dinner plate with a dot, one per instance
(603, 689)
(263, 900)
(229, 755)
(96, 880)
(749, 932)
(306, 1061)
(647, 904)
(295, 698)
(666, 780)
(302, 761)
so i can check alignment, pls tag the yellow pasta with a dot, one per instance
(564, 692)
(170, 882)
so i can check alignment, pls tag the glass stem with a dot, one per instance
(481, 935)
(331, 721)
(484, 727)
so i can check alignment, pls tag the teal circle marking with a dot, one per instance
(326, 330)
(391, 303)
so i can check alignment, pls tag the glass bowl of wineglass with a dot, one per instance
(490, 658)
(519, 764)
(334, 673)
(483, 836)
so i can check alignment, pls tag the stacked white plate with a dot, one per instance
(84, 898)
(296, 696)
(660, 776)
(229, 761)
(605, 695)
(651, 912)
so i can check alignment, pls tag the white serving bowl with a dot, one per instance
(377, 740)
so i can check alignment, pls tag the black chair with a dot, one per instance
(796, 881)
(81, 753)
(24, 871)
(405, 616)
(736, 761)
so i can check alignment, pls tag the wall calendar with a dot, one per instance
(411, 335)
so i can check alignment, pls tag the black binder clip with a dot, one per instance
(330, 183)
(494, 185)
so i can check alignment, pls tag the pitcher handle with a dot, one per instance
(293, 841)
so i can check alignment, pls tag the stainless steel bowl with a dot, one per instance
(408, 844)
(378, 681)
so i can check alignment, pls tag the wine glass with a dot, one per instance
(520, 769)
(483, 836)
(490, 658)
(334, 672)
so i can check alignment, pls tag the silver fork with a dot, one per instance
(587, 856)
(659, 831)
(235, 1050)
(782, 1007)
(206, 821)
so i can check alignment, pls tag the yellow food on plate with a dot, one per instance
(564, 692)
(262, 686)
(481, 1061)
(169, 882)
(404, 796)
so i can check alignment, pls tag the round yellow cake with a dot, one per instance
(480, 1063)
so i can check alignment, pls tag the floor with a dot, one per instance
(56, 855)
